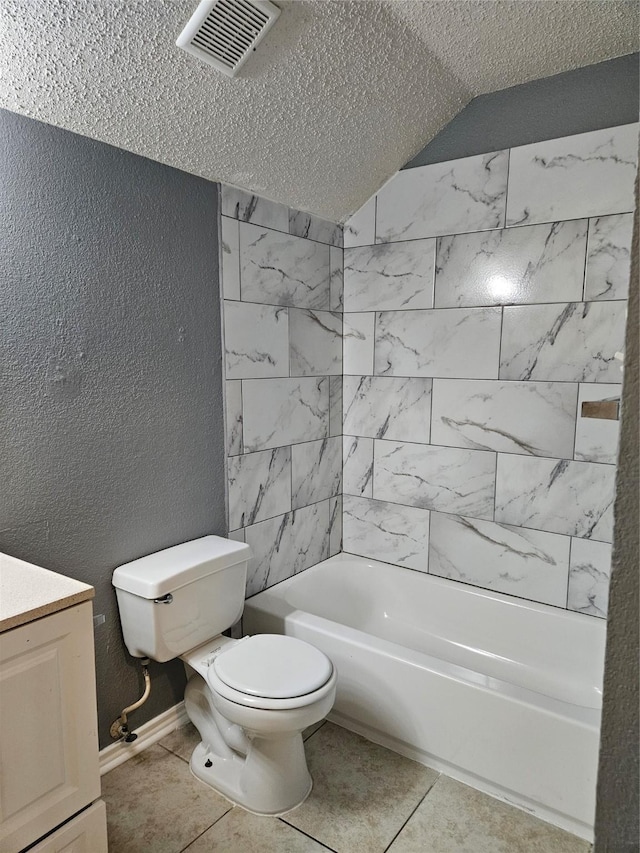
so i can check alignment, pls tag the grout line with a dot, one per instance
(506, 189)
(430, 788)
(302, 832)
(204, 831)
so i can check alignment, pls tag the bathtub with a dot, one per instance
(498, 692)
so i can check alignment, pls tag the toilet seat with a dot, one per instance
(271, 671)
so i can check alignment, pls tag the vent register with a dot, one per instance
(224, 33)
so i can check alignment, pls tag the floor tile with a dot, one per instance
(182, 741)
(155, 804)
(362, 793)
(310, 730)
(241, 832)
(454, 818)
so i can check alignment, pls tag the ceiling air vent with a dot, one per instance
(224, 33)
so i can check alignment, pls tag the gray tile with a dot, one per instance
(454, 818)
(357, 343)
(259, 486)
(386, 531)
(277, 412)
(242, 832)
(590, 570)
(316, 471)
(255, 340)
(313, 228)
(359, 229)
(387, 407)
(154, 803)
(182, 741)
(335, 405)
(315, 343)
(233, 402)
(597, 439)
(246, 207)
(335, 525)
(336, 259)
(230, 253)
(362, 793)
(390, 276)
(609, 257)
(358, 466)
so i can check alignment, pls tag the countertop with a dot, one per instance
(28, 592)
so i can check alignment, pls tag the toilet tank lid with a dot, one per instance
(165, 571)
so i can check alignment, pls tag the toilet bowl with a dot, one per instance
(250, 699)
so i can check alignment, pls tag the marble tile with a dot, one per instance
(315, 339)
(362, 793)
(574, 498)
(281, 269)
(246, 207)
(589, 174)
(287, 544)
(387, 407)
(313, 228)
(154, 803)
(442, 478)
(573, 342)
(455, 818)
(444, 198)
(358, 466)
(230, 254)
(461, 343)
(597, 439)
(535, 418)
(335, 405)
(236, 535)
(284, 411)
(389, 276)
(513, 560)
(182, 741)
(538, 263)
(316, 471)
(357, 343)
(259, 486)
(242, 832)
(233, 394)
(336, 283)
(386, 531)
(359, 229)
(590, 570)
(256, 340)
(609, 257)
(335, 525)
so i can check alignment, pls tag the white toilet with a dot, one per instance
(250, 699)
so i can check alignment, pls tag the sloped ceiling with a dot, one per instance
(340, 94)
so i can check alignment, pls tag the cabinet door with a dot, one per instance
(86, 833)
(48, 730)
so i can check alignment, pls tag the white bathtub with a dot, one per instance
(495, 691)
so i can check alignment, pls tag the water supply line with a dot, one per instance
(119, 728)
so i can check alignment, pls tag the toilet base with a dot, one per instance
(271, 780)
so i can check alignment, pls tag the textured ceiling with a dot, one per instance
(340, 94)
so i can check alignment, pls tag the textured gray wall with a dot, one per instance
(111, 420)
(602, 95)
(618, 805)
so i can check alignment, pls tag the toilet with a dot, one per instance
(250, 699)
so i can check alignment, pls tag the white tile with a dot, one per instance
(536, 418)
(256, 340)
(336, 264)
(597, 439)
(387, 407)
(389, 276)
(259, 486)
(230, 252)
(609, 257)
(287, 544)
(573, 342)
(284, 411)
(335, 405)
(233, 401)
(574, 498)
(446, 479)
(444, 198)
(357, 343)
(315, 339)
(358, 466)
(589, 174)
(316, 471)
(281, 269)
(513, 560)
(313, 228)
(448, 342)
(246, 207)
(589, 574)
(386, 531)
(538, 263)
(359, 229)
(335, 525)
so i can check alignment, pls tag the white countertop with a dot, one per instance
(28, 592)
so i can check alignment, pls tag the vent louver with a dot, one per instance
(224, 33)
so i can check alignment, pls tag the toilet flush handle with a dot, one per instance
(165, 599)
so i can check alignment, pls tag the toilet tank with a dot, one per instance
(177, 599)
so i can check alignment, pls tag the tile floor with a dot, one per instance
(365, 799)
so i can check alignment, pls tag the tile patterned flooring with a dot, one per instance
(365, 799)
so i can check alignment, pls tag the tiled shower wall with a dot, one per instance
(484, 301)
(282, 289)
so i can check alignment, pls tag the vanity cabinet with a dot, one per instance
(49, 772)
